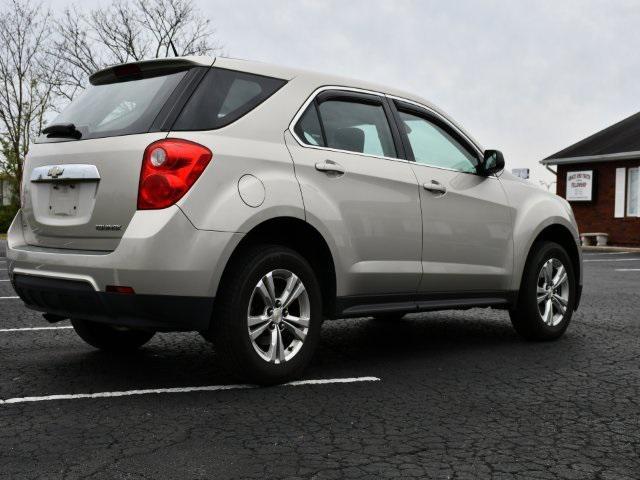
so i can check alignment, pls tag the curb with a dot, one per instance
(593, 248)
(3, 247)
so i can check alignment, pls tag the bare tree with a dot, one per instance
(124, 32)
(44, 60)
(26, 81)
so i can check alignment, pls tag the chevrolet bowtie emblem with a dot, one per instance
(55, 172)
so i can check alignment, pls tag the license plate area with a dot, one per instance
(63, 199)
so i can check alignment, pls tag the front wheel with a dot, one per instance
(267, 319)
(110, 337)
(547, 294)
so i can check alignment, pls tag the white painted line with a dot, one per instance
(33, 329)
(627, 269)
(4, 280)
(209, 388)
(613, 260)
(8, 298)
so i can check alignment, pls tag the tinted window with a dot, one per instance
(121, 108)
(433, 145)
(357, 127)
(224, 96)
(308, 127)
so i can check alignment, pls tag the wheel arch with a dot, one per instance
(300, 236)
(562, 235)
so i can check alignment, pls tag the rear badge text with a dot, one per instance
(108, 228)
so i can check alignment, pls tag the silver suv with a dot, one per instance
(249, 202)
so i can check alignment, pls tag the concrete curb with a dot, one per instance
(593, 248)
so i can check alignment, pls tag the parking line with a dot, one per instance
(4, 280)
(33, 329)
(627, 269)
(8, 298)
(613, 260)
(209, 388)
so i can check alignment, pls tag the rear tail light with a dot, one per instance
(170, 167)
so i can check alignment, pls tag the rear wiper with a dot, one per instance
(62, 130)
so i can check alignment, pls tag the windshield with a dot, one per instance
(122, 108)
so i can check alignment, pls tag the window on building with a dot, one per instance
(633, 197)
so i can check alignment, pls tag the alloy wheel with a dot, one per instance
(553, 292)
(278, 316)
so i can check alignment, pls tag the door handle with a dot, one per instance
(435, 187)
(329, 166)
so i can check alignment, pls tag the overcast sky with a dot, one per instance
(525, 77)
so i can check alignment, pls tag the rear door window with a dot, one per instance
(223, 97)
(357, 127)
(308, 127)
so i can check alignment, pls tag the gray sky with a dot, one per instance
(524, 77)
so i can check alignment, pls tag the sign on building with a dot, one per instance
(580, 186)
(523, 173)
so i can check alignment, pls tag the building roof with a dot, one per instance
(620, 141)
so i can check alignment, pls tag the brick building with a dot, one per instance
(600, 177)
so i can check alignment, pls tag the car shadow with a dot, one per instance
(355, 347)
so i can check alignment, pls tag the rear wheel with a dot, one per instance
(547, 294)
(110, 337)
(268, 315)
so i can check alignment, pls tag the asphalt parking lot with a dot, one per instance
(438, 395)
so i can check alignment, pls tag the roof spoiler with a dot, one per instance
(146, 69)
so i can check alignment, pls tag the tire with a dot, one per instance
(527, 316)
(111, 338)
(242, 301)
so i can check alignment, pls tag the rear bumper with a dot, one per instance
(78, 299)
(160, 253)
(173, 268)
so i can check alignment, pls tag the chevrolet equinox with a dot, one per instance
(249, 202)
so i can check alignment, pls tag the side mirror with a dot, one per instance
(493, 162)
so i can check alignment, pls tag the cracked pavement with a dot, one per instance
(460, 396)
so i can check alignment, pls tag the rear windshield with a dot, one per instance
(224, 96)
(115, 109)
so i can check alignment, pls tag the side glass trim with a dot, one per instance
(436, 114)
(313, 97)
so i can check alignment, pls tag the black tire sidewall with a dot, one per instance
(526, 318)
(232, 327)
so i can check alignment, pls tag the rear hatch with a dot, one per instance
(81, 177)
